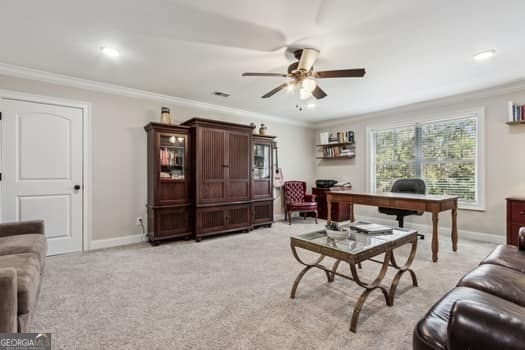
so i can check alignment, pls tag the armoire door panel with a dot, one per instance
(238, 166)
(211, 219)
(238, 216)
(172, 191)
(262, 189)
(212, 164)
(173, 221)
(263, 212)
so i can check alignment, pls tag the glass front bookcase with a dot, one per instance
(261, 161)
(172, 153)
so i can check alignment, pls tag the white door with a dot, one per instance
(42, 160)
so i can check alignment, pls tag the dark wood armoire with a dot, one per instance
(227, 182)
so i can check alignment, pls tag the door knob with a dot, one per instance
(77, 187)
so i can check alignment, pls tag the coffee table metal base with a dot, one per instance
(388, 292)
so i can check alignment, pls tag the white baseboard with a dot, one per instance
(115, 242)
(462, 234)
(278, 217)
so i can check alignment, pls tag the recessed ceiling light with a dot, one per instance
(484, 55)
(311, 105)
(110, 52)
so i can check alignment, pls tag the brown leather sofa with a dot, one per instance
(23, 250)
(485, 311)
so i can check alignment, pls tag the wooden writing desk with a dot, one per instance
(420, 202)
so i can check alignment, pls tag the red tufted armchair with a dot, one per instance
(297, 200)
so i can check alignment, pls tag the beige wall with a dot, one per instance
(119, 150)
(504, 156)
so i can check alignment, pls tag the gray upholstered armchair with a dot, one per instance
(23, 249)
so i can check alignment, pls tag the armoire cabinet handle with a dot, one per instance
(522, 213)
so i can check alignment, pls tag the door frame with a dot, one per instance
(87, 175)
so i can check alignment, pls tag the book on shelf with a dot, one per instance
(169, 157)
(516, 112)
(338, 152)
(337, 137)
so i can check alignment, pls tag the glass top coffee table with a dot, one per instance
(359, 247)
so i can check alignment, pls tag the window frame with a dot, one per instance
(478, 113)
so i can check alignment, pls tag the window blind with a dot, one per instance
(443, 153)
(449, 158)
(395, 156)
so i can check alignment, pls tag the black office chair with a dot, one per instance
(416, 186)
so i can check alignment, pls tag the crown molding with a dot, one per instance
(496, 90)
(66, 80)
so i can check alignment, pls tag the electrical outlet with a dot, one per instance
(139, 220)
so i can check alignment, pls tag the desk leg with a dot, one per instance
(454, 234)
(435, 242)
(329, 209)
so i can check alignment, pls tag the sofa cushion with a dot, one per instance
(27, 268)
(35, 243)
(507, 256)
(497, 280)
(431, 331)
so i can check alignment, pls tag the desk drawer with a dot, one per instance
(517, 213)
(410, 205)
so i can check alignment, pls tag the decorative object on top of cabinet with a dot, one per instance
(516, 114)
(254, 126)
(165, 116)
(262, 130)
(515, 218)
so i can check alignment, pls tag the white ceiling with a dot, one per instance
(413, 50)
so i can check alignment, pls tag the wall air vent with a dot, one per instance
(221, 94)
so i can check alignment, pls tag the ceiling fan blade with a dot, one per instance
(307, 60)
(274, 91)
(318, 93)
(342, 73)
(264, 75)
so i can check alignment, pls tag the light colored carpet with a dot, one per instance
(232, 292)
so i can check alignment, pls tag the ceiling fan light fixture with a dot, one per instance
(308, 84)
(291, 86)
(304, 94)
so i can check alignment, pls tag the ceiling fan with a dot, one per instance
(303, 75)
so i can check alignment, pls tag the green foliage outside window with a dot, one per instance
(443, 153)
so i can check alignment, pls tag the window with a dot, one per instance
(444, 153)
